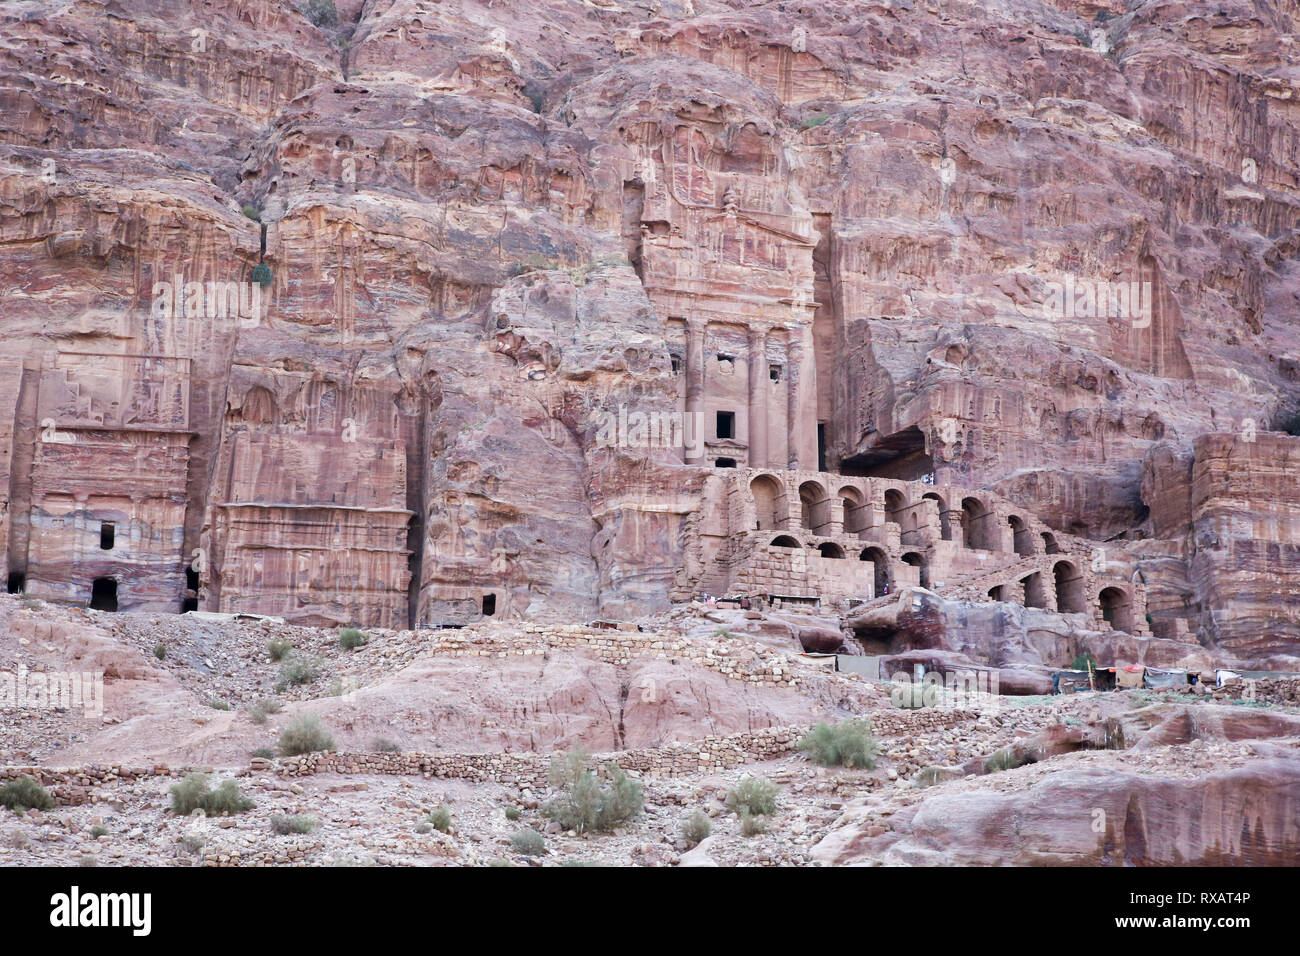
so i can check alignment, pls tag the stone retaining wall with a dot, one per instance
(76, 786)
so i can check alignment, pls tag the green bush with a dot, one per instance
(322, 13)
(261, 275)
(441, 819)
(195, 793)
(382, 745)
(160, 651)
(260, 710)
(299, 669)
(1008, 758)
(590, 801)
(755, 796)
(814, 121)
(849, 743)
(24, 793)
(528, 842)
(512, 813)
(305, 735)
(277, 649)
(752, 824)
(696, 827)
(350, 639)
(265, 752)
(284, 825)
(216, 703)
(252, 212)
(97, 831)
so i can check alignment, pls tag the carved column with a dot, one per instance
(695, 387)
(758, 398)
(802, 398)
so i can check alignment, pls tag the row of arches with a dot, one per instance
(880, 559)
(980, 528)
(1068, 584)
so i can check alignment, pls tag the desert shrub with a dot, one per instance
(755, 796)
(24, 793)
(299, 669)
(849, 743)
(927, 777)
(382, 745)
(591, 801)
(322, 13)
(305, 735)
(814, 121)
(350, 639)
(97, 831)
(512, 813)
(195, 793)
(17, 840)
(441, 819)
(696, 827)
(528, 842)
(499, 862)
(216, 703)
(424, 828)
(252, 212)
(1008, 758)
(160, 651)
(752, 824)
(193, 842)
(277, 649)
(282, 825)
(261, 275)
(265, 752)
(260, 710)
(87, 859)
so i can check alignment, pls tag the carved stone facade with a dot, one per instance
(103, 506)
(812, 537)
(308, 519)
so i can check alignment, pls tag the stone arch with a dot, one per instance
(945, 525)
(1035, 591)
(1116, 608)
(917, 560)
(974, 517)
(895, 502)
(829, 549)
(769, 502)
(881, 560)
(1021, 536)
(1049, 543)
(857, 516)
(814, 505)
(1069, 588)
(784, 541)
(995, 593)
(258, 406)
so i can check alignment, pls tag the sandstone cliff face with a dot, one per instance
(484, 226)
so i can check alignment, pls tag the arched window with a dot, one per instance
(881, 560)
(1116, 608)
(1069, 588)
(830, 549)
(769, 500)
